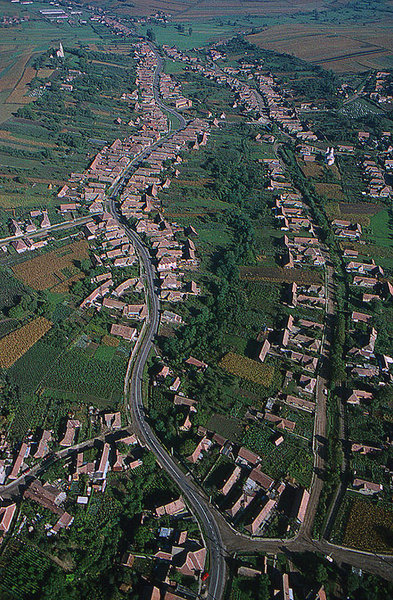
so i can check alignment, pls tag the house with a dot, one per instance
(112, 304)
(45, 222)
(73, 425)
(43, 444)
(261, 517)
(64, 521)
(190, 562)
(243, 500)
(123, 331)
(22, 454)
(112, 420)
(103, 464)
(19, 246)
(279, 422)
(357, 396)
(202, 447)
(264, 350)
(47, 496)
(247, 458)
(199, 364)
(183, 401)
(258, 479)
(363, 449)
(299, 403)
(230, 482)
(307, 383)
(173, 508)
(6, 515)
(367, 488)
(300, 507)
(175, 385)
(135, 311)
(358, 317)
(369, 372)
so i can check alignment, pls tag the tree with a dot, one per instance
(151, 35)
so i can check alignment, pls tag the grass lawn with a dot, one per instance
(105, 353)
(173, 66)
(381, 229)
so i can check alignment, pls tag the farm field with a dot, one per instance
(381, 229)
(182, 10)
(54, 268)
(291, 458)
(249, 369)
(17, 343)
(369, 527)
(87, 378)
(331, 45)
(331, 191)
(280, 275)
(21, 43)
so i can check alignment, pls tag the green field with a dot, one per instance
(381, 233)
(202, 33)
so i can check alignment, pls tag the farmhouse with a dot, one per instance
(123, 331)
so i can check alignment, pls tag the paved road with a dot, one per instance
(198, 504)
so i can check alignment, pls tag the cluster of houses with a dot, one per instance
(139, 201)
(374, 176)
(248, 494)
(246, 97)
(170, 90)
(113, 251)
(285, 116)
(379, 93)
(53, 496)
(23, 228)
(175, 551)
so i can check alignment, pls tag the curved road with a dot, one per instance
(198, 504)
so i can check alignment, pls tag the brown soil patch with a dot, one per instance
(10, 80)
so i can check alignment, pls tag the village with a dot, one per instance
(115, 203)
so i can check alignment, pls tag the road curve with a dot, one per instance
(197, 503)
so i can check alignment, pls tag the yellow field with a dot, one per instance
(332, 191)
(14, 74)
(17, 95)
(244, 367)
(336, 47)
(17, 343)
